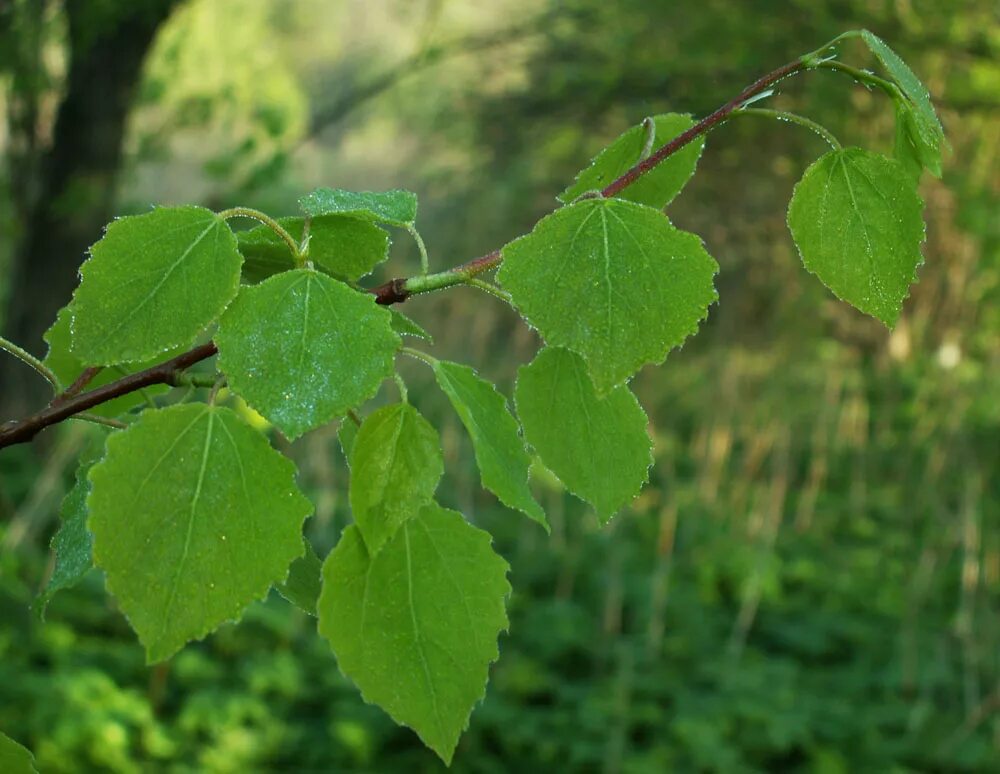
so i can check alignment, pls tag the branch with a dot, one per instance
(397, 290)
(394, 291)
(167, 372)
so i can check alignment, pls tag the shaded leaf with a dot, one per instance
(597, 446)
(152, 283)
(73, 543)
(416, 626)
(15, 758)
(397, 208)
(302, 348)
(303, 584)
(396, 464)
(613, 281)
(194, 516)
(658, 186)
(857, 221)
(496, 438)
(342, 246)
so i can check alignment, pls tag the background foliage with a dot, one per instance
(811, 580)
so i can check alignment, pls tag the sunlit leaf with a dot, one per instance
(597, 446)
(496, 438)
(613, 281)
(857, 221)
(396, 208)
(416, 626)
(152, 283)
(302, 348)
(194, 516)
(396, 464)
(658, 186)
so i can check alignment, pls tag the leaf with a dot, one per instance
(496, 438)
(597, 446)
(67, 367)
(15, 758)
(404, 326)
(396, 208)
(905, 148)
(342, 246)
(658, 186)
(303, 584)
(396, 464)
(857, 221)
(153, 282)
(302, 348)
(925, 123)
(347, 433)
(73, 543)
(613, 281)
(416, 626)
(194, 516)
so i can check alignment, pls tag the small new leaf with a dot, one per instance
(194, 516)
(396, 208)
(658, 186)
(404, 326)
(302, 348)
(396, 464)
(857, 221)
(496, 438)
(613, 281)
(342, 246)
(416, 626)
(303, 584)
(597, 446)
(152, 283)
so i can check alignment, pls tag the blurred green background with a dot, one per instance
(811, 582)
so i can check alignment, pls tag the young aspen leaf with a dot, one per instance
(416, 626)
(152, 283)
(496, 439)
(857, 221)
(302, 586)
(613, 281)
(923, 123)
(194, 516)
(658, 186)
(395, 208)
(597, 446)
(404, 326)
(302, 348)
(396, 464)
(341, 246)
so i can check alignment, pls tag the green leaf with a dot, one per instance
(658, 186)
(404, 326)
(397, 208)
(14, 758)
(925, 123)
(153, 282)
(597, 446)
(303, 584)
(613, 281)
(905, 148)
(302, 348)
(73, 543)
(857, 221)
(67, 367)
(347, 434)
(496, 438)
(194, 516)
(341, 246)
(396, 464)
(416, 626)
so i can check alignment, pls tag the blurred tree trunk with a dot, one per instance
(69, 195)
